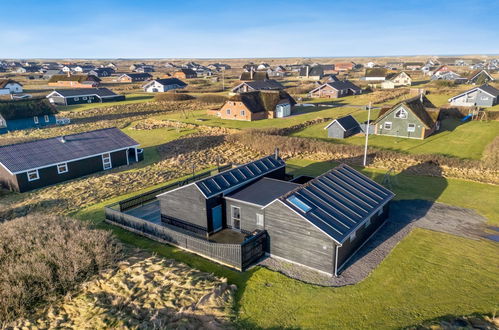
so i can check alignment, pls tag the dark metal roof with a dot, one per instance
(171, 81)
(22, 157)
(347, 122)
(490, 90)
(233, 178)
(339, 201)
(263, 191)
(101, 92)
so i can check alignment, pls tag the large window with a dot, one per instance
(33, 175)
(388, 125)
(401, 113)
(236, 217)
(62, 168)
(411, 128)
(106, 161)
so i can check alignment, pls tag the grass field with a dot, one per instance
(455, 139)
(427, 275)
(130, 99)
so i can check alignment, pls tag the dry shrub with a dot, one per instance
(44, 256)
(161, 97)
(491, 154)
(382, 96)
(212, 98)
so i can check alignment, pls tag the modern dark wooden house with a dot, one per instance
(25, 114)
(319, 224)
(83, 95)
(343, 127)
(31, 165)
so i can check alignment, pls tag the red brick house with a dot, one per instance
(257, 105)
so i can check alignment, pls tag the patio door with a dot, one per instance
(216, 214)
(236, 217)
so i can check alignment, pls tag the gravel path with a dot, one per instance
(404, 216)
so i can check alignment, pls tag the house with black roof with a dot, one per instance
(483, 96)
(319, 224)
(163, 85)
(335, 89)
(480, 77)
(35, 164)
(343, 127)
(25, 114)
(134, 77)
(9, 86)
(83, 95)
(311, 72)
(102, 72)
(257, 85)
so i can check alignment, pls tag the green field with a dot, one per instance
(455, 139)
(427, 275)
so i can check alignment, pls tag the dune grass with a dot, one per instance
(455, 139)
(427, 275)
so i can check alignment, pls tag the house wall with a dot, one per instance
(157, 87)
(475, 98)
(248, 214)
(236, 109)
(295, 239)
(335, 131)
(25, 123)
(76, 169)
(14, 88)
(327, 92)
(399, 126)
(349, 247)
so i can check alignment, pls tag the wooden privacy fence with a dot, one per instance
(238, 256)
(141, 199)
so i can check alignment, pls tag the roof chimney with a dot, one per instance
(276, 153)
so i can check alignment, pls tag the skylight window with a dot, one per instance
(299, 203)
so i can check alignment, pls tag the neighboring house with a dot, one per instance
(449, 76)
(393, 80)
(262, 67)
(163, 85)
(185, 74)
(83, 95)
(440, 70)
(375, 74)
(112, 66)
(335, 89)
(344, 66)
(484, 96)
(143, 68)
(314, 72)
(257, 105)
(101, 72)
(28, 69)
(257, 85)
(9, 86)
(24, 114)
(394, 65)
(83, 68)
(480, 77)
(134, 77)
(76, 81)
(31, 165)
(50, 73)
(413, 66)
(254, 75)
(319, 225)
(343, 127)
(415, 118)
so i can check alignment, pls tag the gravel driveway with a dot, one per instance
(404, 216)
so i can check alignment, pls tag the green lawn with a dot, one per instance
(427, 275)
(455, 139)
(130, 99)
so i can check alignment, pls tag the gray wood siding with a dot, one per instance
(400, 126)
(187, 204)
(248, 215)
(362, 234)
(335, 131)
(294, 238)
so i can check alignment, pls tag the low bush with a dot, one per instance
(45, 256)
(162, 97)
(212, 98)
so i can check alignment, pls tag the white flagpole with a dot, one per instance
(367, 132)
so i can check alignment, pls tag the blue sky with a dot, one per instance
(209, 29)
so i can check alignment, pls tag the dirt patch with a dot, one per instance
(144, 292)
(404, 216)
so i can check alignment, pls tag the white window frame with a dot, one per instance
(106, 161)
(232, 208)
(64, 170)
(243, 113)
(36, 120)
(37, 175)
(411, 129)
(260, 220)
(389, 123)
(46, 118)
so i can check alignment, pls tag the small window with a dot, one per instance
(46, 118)
(62, 168)
(259, 219)
(411, 128)
(106, 161)
(353, 236)
(299, 203)
(402, 114)
(388, 125)
(33, 175)
(368, 223)
(236, 212)
(228, 111)
(243, 113)
(35, 119)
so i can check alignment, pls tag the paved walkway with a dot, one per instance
(404, 216)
